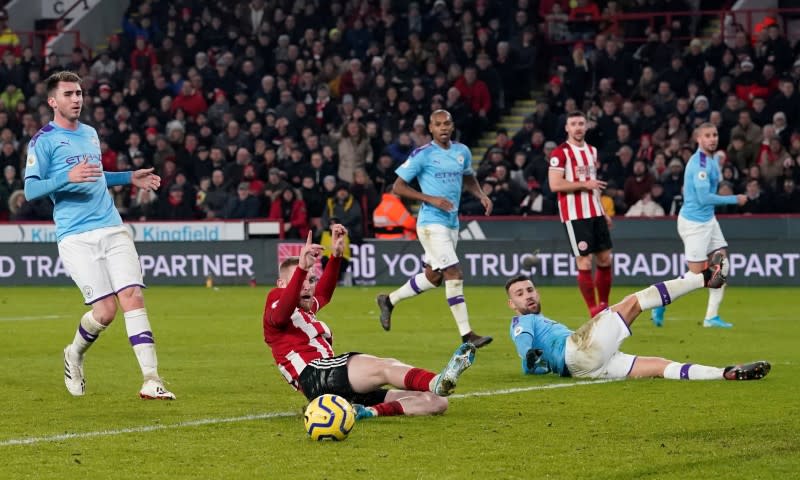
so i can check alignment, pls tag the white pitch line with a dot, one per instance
(258, 416)
(31, 317)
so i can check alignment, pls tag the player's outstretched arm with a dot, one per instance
(279, 313)
(327, 283)
(82, 172)
(145, 178)
(118, 178)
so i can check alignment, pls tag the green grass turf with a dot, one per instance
(212, 354)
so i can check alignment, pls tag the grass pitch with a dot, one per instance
(236, 418)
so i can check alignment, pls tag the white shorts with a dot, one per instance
(101, 262)
(700, 239)
(439, 243)
(593, 350)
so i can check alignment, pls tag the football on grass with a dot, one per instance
(329, 417)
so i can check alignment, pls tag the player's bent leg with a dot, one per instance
(418, 403)
(628, 309)
(368, 372)
(415, 285)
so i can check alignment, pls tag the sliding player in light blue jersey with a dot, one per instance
(697, 225)
(96, 249)
(441, 168)
(592, 351)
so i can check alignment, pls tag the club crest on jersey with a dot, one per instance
(554, 162)
(31, 160)
(518, 330)
(460, 159)
(702, 175)
(95, 141)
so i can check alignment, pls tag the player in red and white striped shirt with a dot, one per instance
(302, 346)
(573, 175)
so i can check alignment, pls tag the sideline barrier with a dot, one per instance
(388, 262)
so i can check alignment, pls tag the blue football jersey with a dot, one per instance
(700, 182)
(79, 207)
(440, 173)
(535, 331)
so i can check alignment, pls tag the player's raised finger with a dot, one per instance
(308, 239)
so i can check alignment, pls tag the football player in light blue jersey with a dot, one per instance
(96, 249)
(441, 167)
(697, 225)
(592, 351)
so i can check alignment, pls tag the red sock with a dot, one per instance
(418, 379)
(586, 285)
(388, 409)
(602, 279)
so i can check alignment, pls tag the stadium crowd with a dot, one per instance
(301, 110)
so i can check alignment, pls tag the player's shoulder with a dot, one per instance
(273, 296)
(421, 151)
(41, 134)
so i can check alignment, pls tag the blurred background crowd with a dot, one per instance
(301, 110)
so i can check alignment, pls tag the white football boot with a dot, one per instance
(154, 390)
(73, 372)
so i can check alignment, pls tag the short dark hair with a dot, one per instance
(576, 113)
(516, 279)
(63, 76)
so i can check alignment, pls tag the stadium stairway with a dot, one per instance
(512, 122)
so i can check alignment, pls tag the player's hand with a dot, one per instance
(441, 203)
(609, 222)
(309, 253)
(85, 172)
(593, 184)
(531, 357)
(338, 234)
(487, 204)
(741, 199)
(146, 179)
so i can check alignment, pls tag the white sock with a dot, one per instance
(664, 293)
(454, 290)
(142, 341)
(714, 299)
(414, 286)
(689, 371)
(88, 331)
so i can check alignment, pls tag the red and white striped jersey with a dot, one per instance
(578, 164)
(295, 336)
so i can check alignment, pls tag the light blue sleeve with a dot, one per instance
(118, 178)
(409, 170)
(468, 162)
(522, 335)
(697, 179)
(36, 168)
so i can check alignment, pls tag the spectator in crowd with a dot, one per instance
(638, 184)
(241, 205)
(346, 210)
(758, 200)
(256, 78)
(291, 210)
(173, 207)
(355, 152)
